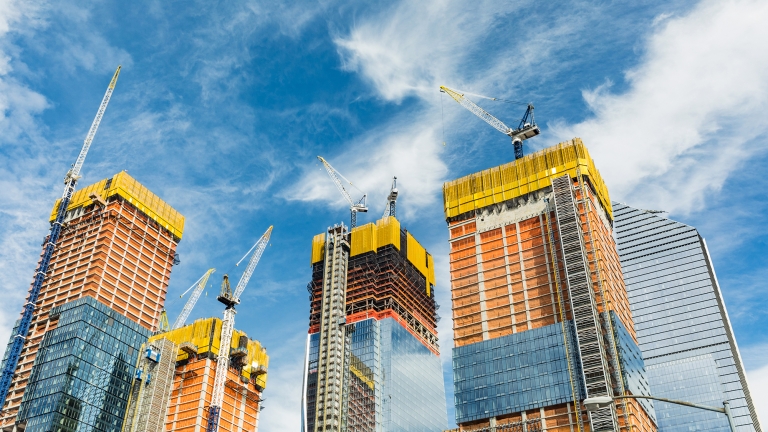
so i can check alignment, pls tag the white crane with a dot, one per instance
(19, 336)
(198, 286)
(228, 323)
(526, 129)
(389, 210)
(354, 207)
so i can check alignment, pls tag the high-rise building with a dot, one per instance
(83, 370)
(372, 351)
(682, 324)
(118, 245)
(540, 312)
(175, 395)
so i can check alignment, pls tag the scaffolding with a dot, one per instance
(329, 414)
(151, 390)
(379, 281)
(589, 335)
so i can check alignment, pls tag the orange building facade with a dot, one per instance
(118, 245)
(514, 292)
(198, 345)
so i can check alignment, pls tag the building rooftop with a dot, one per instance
(125, 186)
(514, 179)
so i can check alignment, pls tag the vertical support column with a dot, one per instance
(481, 286)
(589, 337)
(330, 375)
(522, 275)
(509, 278)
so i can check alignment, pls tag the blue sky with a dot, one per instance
(221, 109)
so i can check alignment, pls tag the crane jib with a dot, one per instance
(22, 330)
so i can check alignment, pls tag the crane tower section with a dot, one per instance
(330, 385)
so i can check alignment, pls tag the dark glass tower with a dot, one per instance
(681, 322)
(83, 371)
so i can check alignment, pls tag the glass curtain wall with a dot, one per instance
(682, 325)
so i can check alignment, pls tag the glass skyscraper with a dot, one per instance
(681, 321)
(83, 370)
(373, 363)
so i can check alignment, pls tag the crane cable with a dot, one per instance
(493, 98)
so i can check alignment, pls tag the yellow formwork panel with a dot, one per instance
(318, 248)
(388, 232)
(364, 239)
(533, 172)
(421, 259)
(371, 237)
(199, 333)
(135, 193)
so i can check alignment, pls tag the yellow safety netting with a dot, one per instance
(135, 193)
(533, 172)
(205, 335)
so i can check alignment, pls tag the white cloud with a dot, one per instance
(693, 108)
(411, 152)
(19, 107)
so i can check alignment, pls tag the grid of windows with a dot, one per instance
(514, 373)
(394, 381)
(634, 374)
(83, 372)
(681, 322)
(693, 379)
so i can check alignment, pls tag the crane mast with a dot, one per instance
(198, 286)
(389, 210)
(227, 325)
(526, 129)
(354, 207)
(70, 181)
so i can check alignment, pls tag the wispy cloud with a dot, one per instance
(692, 111)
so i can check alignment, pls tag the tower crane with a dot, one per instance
(354, 207)
(70, 181)
(198, 286)
(230, 299)
(526, 129)
(389, 210)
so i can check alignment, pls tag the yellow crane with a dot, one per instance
(526, 129)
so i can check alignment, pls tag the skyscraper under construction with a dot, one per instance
(175, 378)
(540, 311)
(372, 351)
(100, 299)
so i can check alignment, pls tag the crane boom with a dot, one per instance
(198, 286)
(354, 207)
(70, 181)
(336, 177)
(526, 129)
(227, 327)
(261, 244)
(75, 171)
(476, 110)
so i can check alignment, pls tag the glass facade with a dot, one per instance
(514, 373)
(682, 325)
(633, 370)
(393, 382)
(83, 372)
